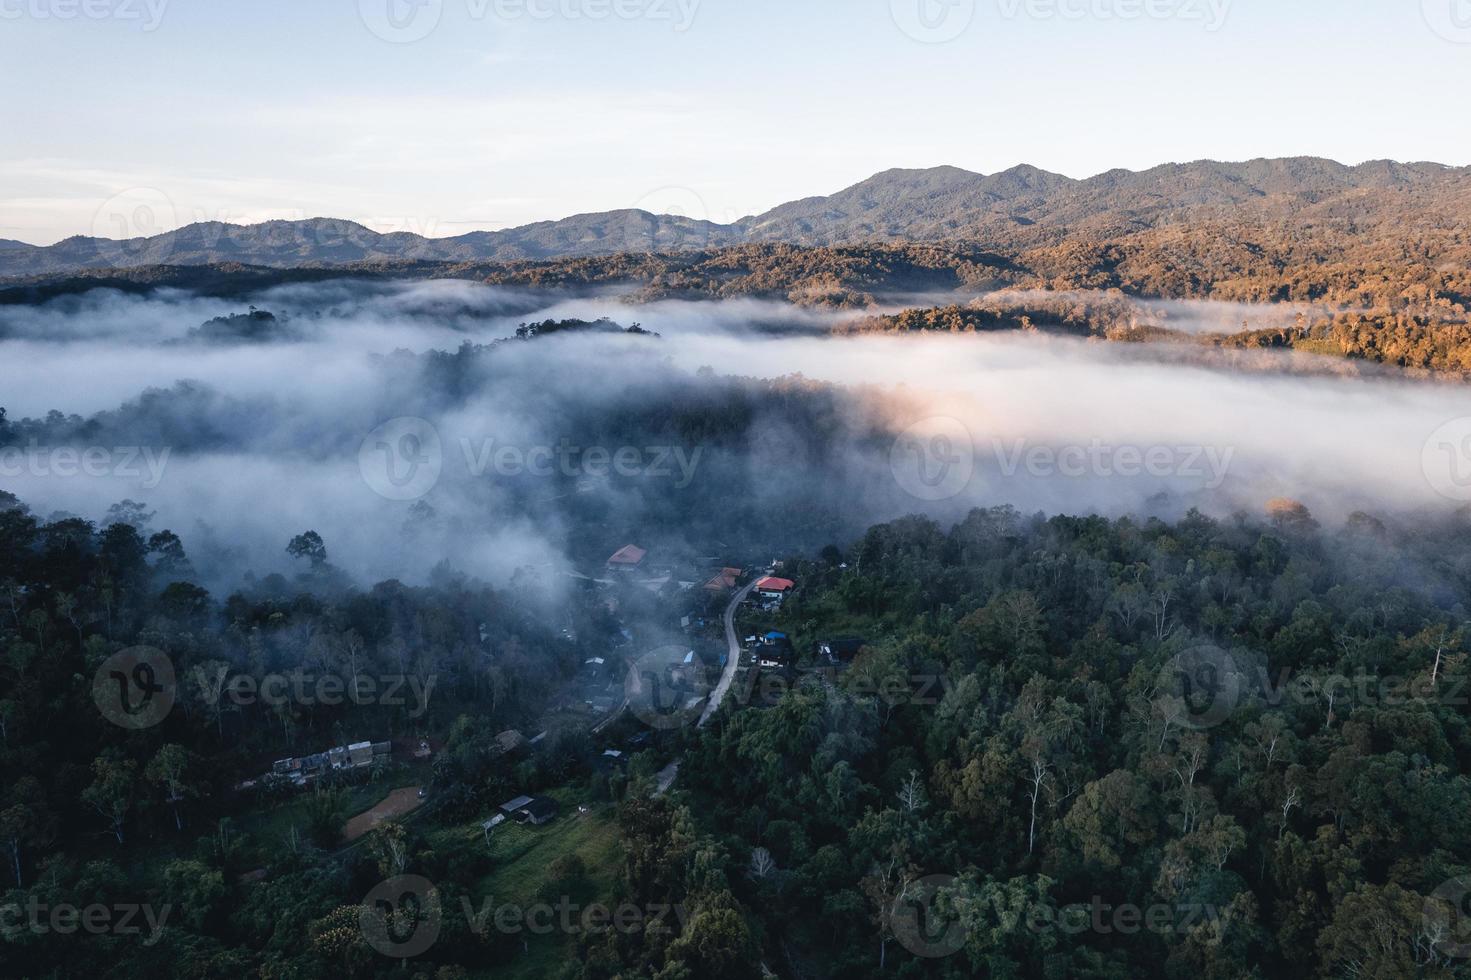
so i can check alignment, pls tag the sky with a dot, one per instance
(128, 117)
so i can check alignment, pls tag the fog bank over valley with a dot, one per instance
(739, 421)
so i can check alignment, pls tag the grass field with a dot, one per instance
(521, 856)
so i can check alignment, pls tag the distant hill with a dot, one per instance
(1023, 207)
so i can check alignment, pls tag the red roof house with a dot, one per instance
(724, 581)
(627, 559)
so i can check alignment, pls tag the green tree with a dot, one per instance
(111, 791)
(195, 889)
(171, 768)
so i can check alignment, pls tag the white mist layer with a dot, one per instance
(288, 458)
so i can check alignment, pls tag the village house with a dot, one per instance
(724, 580)
(774, 590)
(341, 758)
(774, 650)
(627, 559)
(535, 810)
(508, 742)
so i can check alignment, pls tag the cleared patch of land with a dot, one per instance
(520, 857)
(396, 804)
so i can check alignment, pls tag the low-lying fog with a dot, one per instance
(280, 431)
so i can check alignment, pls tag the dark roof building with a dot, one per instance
(535, 810)
(509, 741)
(842, 648)
(514, 805)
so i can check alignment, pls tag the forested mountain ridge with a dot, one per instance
(1359, 300)
(1405, 206)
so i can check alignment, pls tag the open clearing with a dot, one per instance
(396, 804)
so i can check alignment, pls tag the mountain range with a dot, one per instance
(1017, 208)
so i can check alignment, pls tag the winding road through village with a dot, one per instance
(733, 659)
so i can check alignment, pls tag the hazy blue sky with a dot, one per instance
(510, 111)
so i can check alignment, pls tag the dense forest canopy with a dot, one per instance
(1067, 747)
